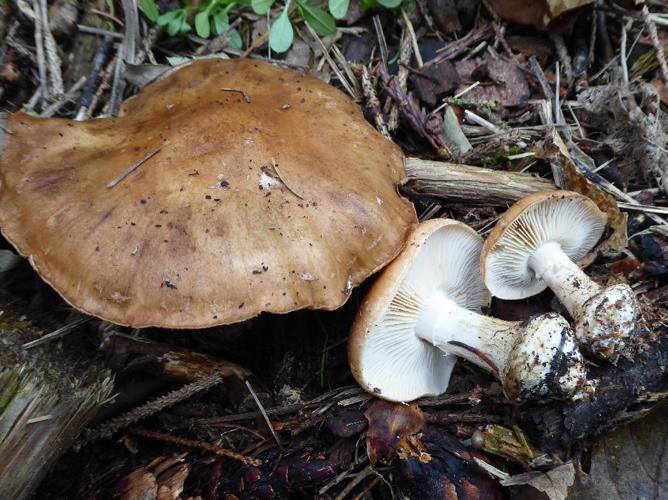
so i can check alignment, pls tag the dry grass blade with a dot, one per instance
(264, 414)
(56, 334)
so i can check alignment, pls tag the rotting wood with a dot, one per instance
(47, 396)
(619, 387)
(446, 182)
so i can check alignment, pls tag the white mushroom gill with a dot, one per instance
(404, 367)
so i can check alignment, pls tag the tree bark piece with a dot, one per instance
(445, 182)
(47, 396)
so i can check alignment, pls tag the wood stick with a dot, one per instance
(446, 182)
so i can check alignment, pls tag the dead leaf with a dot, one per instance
(501, 81)
(390, 424)
(435, 81)
(553, 483)
(163, 478)
(506, 443)
(141, 75)
(629, 462)
(539, 13)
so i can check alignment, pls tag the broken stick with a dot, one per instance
(445, 182)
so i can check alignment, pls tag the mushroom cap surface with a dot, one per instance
(261, 189)
(568, 218)
(386, 356)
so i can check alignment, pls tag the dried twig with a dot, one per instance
(52, 109)
(361, 476)
(246, 97)
(109, 428)
(52, 57)
(622, 55)
(405, 52)
(500, 31)
(132, 168)
(101, 54)
(325, 52)
(39, 49)
(412, 113)
(127, 53)
(658, 48)
(564, 59)
(458, 47)
(189, 443)
(372, 102)
(104, 85)
(280, 178)
(413, 38)
(97, 31)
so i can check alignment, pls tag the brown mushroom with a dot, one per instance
(225, 189)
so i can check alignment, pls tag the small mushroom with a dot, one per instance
(424, 310)
(207, 201)
(536, 245)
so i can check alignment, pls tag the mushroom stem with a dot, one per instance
(604, 317)
(568, 282)
(482, 340)
(532, 359)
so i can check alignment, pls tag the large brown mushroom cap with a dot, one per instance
(277, 204)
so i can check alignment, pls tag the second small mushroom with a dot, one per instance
(536, 245)
(425, 308)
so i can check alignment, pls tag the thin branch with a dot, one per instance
(653, 35)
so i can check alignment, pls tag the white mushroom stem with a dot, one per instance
(532, 359)
(571, 286)
(605, 318)
(448, 326)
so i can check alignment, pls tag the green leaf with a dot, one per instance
(185, 27)
(174, 27)
(318, 19)
(390, 4)
(235, 40)
(220, 22)
(202, 25)
(281, 34)
(368, 4)
(339, 8)
(150, 9)
(261, 6)
(168, 17)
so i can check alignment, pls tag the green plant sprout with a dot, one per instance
(212, 18)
